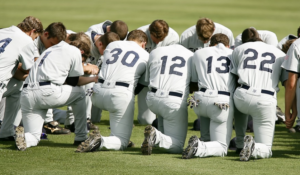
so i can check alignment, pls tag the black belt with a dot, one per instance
(117, 83)
(219, 92)
(170, 93)
(40, 83)
(262, 91)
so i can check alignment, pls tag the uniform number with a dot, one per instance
(5, 42)
(225, 64)
(173, 66)
(262, 63)
(117, 52)
(43, 59)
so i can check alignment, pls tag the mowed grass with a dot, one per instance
(56, 155)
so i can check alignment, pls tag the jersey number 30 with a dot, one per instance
(123, 61)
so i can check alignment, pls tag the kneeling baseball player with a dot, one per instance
(54, 81)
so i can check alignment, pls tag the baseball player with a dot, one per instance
(16, 55)
(291, 64)
(123, 64)
(198, 36)
(52, 35)
(288, 37)
(266, 36)
(213, 97)
(159, 34)
(54, 82)
(169, 74)
(258, 67)
(94, 32)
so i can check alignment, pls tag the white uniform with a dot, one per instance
(284, 40)
(169, 72)
(189, 38)
(145, 116)
(291, 64)
(15, 47)
(124, 63)
(266, 36)
(211, 69)
(44, 89)
(258, 66)
(39, 49)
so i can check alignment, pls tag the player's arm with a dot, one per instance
(90, 69)
(193, 87)
(139, 88)
(290, 100)
(79, 80)
(20, 73)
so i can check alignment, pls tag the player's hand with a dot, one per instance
(91, 69)
(289, 120)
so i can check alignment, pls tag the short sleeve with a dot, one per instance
(291, 61)
(76, 67)
(26, 56)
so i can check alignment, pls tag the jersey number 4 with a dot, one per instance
(173, 66)
(262, 63)
(5, 42)
(123, 61)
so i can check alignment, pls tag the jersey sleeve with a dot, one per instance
(26, 56)
(183, 40)
(238, 41)
(291, 61)
(234, 62)
(271, 39)
(283, 76)
(194, 75)
(76, 67)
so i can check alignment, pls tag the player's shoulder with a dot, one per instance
(98, 27)
(144, 28)
(18, 34)
(219, 28)
(189, 31)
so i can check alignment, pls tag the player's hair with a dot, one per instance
(82, 42)
(30, 23)
(286, 45)
(219, 38)
(119, 27)
(137, 35)
(159, 29)
(57, 30)
(205, 28)
(108, 37)
(298, 32)
(248, 34)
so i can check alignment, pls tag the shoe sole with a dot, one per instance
(20, 139)
(248, 149)
(189, 150)
(148, 141)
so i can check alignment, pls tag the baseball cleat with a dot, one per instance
(70, 127)
(280, 115)
(90, 144)
(130, 144)
(149, 140)
(249, 145)
(91, 126)
(297, 128)
(291, 130)
(191, 149)
(54, 128)
(20, 138)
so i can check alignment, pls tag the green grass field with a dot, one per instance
(56, 155)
